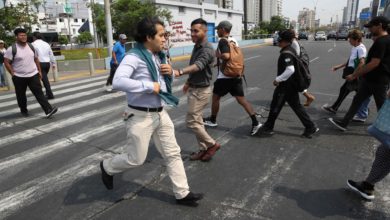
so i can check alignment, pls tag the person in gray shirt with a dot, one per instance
(199, 90)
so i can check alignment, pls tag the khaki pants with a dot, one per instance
(140, 128)
(198, 98)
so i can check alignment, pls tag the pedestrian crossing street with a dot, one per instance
(41, 157)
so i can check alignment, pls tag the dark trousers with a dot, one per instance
(45, 68)
(365, 90)
(284, 93)
(112, 73)
(34, 84)
(344, 92)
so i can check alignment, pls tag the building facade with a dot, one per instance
(306, 19)
(352, 10)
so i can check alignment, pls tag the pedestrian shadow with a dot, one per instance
(331, 203)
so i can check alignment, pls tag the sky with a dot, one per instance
(325, 8)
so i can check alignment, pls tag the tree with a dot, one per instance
(84, 38)
(127, 13)
(276, 24)
(62, 39)
(98, 19)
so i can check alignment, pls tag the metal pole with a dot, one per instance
(245, 19)
(107, 12)
(55, 72)
(94, 24)
(91, 66)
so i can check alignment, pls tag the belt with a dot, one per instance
(144, 109)
(198, 86)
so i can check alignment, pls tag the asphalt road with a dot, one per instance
(49, 168)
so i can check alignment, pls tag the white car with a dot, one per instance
(320, 35)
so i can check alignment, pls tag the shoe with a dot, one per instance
(25, 114)
(265, 131)
(358, 119)
(107, 179)
(197, 155)
(309, 99)
(210, 152)
(308, 133)
(49, 97)
(51, 112)
(365, 189)
(255, 129)
(190, 200)
(208, 122)
(329, 109)
(338, 124)
(108, 88)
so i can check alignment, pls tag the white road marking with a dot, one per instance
(314, 59)
(330, 50)
(250, 58)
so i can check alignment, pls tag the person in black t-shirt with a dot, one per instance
(224, 84)
(286, 90)
(375, 74)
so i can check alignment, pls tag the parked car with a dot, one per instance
(331, 35)
(342, 35)
(303, 35)
(276, 38)
(320, 35)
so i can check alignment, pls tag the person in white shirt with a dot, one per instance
(46, 58)
(2, 72)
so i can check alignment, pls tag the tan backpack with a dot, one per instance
(233, 67)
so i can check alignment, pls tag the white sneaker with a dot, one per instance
(209, 123)
(358, 119)
(255, 129)
(109, 88)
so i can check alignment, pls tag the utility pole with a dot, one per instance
(245, 19)
(107, 12)
(94, 28)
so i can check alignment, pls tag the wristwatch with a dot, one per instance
(181, 72)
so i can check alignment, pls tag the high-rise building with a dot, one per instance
(306, 19)
(263, 10)
(352, 9)
(345, 20)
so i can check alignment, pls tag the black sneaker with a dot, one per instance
(107, 179)
(49, 97)
(337, 123)
(329, 109)
(51, 112)
(365, 189)
(308, 133)
(208, 122)
(25, 114)
(255, 128)
(265, 131)
(190, 199)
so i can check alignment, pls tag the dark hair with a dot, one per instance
(37, 35)
(286, 35)
(19, 30)
(147, 28)
(199, 21)
(355, 35)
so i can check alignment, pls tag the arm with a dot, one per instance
(36, 60)
(286, 74)
(334, 68)
(122, 80)
(114, 50)
(8, 66)
(200, 63)
(374, 63)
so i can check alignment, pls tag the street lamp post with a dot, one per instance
(107, 12)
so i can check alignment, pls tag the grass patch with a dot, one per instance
(82, 54)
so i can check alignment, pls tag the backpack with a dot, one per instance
(15, 49)
(304, 56)
(234, 66)
(302, 73)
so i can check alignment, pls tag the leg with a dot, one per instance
(20, 84)
(221, 88)
(293, 100)
(363, 110)
(45, 67)
(309, 97)
(344, 92)
(113, 68)
(35, 86)
(381, 165)
(2, 75)
(165, 141)
(278, 100)
(380, 94)
(215, 106)
(139, 130)
(197, 101)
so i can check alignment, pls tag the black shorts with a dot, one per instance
(231, 85)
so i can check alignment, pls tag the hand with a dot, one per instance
(156, 88)
(116, 62)
(334, 68)
(217, 53)
(350, 77)
(185, 88)
(176, 73)
(276, 83)
(166, 69)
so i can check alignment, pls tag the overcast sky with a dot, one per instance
(325, 8)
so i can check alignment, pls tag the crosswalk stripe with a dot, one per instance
(49, 127)
(59, 86)
(73, 89)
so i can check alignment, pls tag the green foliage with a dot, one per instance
(62, 39)
(84, 38)
(265, 27)
(126, 14)
(99, 20)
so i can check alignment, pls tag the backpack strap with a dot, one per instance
(291, 53)
(15, 49)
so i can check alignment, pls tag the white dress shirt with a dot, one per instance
(45, 54)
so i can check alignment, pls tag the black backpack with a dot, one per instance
(15, 49)
(302, 76)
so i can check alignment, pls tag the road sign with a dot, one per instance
(365, 15)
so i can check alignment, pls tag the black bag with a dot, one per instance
(348, 71)
(302, 74)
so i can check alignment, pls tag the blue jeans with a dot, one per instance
(363, 110)
(2, 75)
(379, 135)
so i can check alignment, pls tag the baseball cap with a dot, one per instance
(377, 20)
(225, 25)
(122, 36)
(1, 42)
